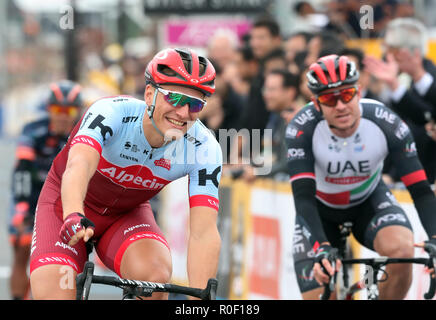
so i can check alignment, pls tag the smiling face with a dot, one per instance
(172, 121)
(344, 117)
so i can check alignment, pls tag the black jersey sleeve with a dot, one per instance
(301, 168)
(25, 169)
(402, 148)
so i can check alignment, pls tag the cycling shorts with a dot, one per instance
(113, 233)
(380, 210)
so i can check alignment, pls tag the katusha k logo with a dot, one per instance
(136, 176)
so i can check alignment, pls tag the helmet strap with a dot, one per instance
(150, 111)
(318, 107)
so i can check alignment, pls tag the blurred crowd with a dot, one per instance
(262, 81)
(261, 77)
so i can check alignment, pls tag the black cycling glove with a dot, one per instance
(325, 252)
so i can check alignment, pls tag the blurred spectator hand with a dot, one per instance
(410, 62)
(430, 127)
(384, 71)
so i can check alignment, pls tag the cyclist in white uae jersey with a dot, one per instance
(336, 148)
(121, 153)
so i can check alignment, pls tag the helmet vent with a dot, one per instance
(203, 66)
(187, 59)
(164, 69)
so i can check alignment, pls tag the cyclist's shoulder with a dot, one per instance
(118, 104)
(36, 128)
(200, 135)
(203, 141)
(381, 115)
(307, 116)
(305, 121)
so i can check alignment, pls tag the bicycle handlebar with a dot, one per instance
(146, 288)
(378, 262)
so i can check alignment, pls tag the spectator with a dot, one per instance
(247, 67)
(321, 44)
(293, 46)
(274, 60)
(357, 56)
(307, 19)
(406, 44)
(304, 90)
(223, 109)
(264, 39)
(280, 93)
(222, 47)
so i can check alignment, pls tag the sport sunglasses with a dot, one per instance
(331, 99)
(72, 111)
(177, 99)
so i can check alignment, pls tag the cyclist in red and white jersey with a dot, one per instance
(39, 143)
(121, 154)
(336, 148)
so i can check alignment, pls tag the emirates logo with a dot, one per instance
(164, 163)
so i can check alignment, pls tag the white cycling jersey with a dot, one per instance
(347, 170)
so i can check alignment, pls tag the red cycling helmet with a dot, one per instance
(65, 93)
(181, 67)
(330, 72)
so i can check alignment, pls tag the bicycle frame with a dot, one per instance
(136, 287)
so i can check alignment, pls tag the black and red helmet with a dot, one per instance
(330, 72)
(65, 93)
(181, 67)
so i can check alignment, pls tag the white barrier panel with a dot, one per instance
(174, 221)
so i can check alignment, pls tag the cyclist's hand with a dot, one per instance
(21, 220)
(432, 244)
(76, 226)
(323, 264)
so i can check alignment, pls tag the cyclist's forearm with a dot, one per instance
(73, 190)
(425, 203)
(80, 168)
(203, 254)
(304, 191)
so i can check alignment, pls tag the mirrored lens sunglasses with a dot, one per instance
(177, 99)
(72, 111)
(331, 99)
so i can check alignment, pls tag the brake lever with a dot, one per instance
(430, 248)
(330, 286)
(431, 290)
(83, 281)
(209, 293)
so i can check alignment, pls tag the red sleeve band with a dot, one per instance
(88, 141)
(25, 153)
(414, 177)
(204, 201)
(309, 175)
